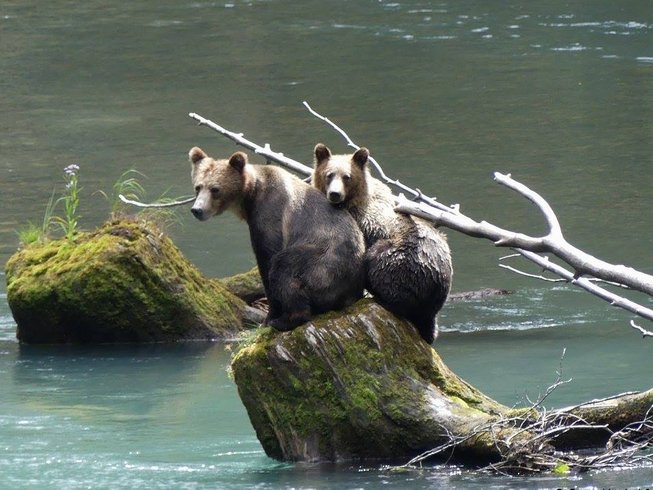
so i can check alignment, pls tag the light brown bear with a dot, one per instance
(309, 254)
(407, 261)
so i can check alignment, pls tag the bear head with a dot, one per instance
(219, 184)
(341, 178)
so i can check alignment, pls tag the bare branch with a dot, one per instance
(527, 274)
(589, 286)
(645, 333)
(415, 193)
(554, 242)
(549, 279)
(534, 197)
(155, 204)
(527, 246)
(265, 151)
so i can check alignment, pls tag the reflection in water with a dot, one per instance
(56, 379)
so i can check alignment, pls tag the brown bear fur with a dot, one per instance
(407, 261)
(309, 254)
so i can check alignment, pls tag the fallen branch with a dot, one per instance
(538, 440)
(265, 151)
(527, 246)
(553, 242)
(549, 279)
(486, 230)
(451, 217)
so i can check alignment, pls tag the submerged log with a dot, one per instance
(124, 282)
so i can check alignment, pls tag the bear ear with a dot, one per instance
(322, 153)
(361, 156)
(238, 161)
(196, 154)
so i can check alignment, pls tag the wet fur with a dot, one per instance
(309, 254)
(407, 261)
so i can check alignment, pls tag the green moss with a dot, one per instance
(248, 286)
(352, 384)
(123, 282)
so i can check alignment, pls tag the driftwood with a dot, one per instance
(554, 242)
(611, 432)
(586, 268)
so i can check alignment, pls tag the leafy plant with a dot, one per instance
(70, 201)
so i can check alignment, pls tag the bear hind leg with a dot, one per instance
(288, 291)
(426, 325)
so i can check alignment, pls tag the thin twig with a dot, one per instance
(155, 204)
(533, 276)
(415, 193)
(645, 333)
(549, 279)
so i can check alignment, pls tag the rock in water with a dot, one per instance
(124, 282)
(358, 384)
(248, 286)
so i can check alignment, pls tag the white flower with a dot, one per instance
(71, 170)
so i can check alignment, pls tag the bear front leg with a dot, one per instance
(287, 322)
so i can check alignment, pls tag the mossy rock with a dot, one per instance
(352, 385)
(124, 282)
(248, 286)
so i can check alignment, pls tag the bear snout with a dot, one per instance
(334, 197)
(198, 213)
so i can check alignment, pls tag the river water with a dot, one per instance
(557, 93)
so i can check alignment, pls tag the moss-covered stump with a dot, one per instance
(124, 282)
(354, 385)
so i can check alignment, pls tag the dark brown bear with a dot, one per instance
(309, 254)
(408, 263)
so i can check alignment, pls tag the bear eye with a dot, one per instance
(215, 191)
(346, 177)
(198, 188)
(330, 176)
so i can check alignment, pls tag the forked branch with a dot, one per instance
(529, 247)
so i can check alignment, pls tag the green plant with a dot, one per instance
(32, 233)
(70, 201)
(128, 186)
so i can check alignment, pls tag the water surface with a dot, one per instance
(443, 93)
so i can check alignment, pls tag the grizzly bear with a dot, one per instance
(407, 261)
(309, 254)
